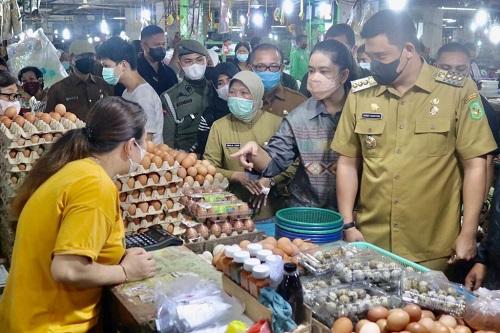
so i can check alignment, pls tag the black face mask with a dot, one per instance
(386, 74)
(157, 53)
(85, 65)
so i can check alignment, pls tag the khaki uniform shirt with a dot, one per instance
(78, 95)
(282, 101)
(228, 135)
(411, 145)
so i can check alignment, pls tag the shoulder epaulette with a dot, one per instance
(451, 78)
(362, 84)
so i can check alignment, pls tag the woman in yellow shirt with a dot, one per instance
(70, 236)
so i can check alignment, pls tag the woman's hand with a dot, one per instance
(476, 276)
(252, 186)
(246, 155)
(138, 264)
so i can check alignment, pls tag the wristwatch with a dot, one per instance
(350, 225)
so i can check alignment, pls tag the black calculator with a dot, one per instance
(152, 238)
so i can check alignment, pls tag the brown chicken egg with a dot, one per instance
(146, 162)
(427, 323)
(118, 185)
(29, 117)
(135, 194)
(376, 313)
(370, 328)
(40, 150)
(70, 116)
(163, 147)
(173, 188)
(226, 228)
(202, 170)
(168, 176)
(414, 327)
(61, 109)
(448, 321)
(7, 122)
(191, 233)
(10, 112)
(170, 228)
(174, 214)
(189, 180)
(187, 162)
(238, 226)
(215, 230)
(156, 205)
(22, 166)
(148, 192)
(160, 190)
(13, 153)
(150, 146)
(397, 320)
(143, 206)
(170, 160)
(123, 197)
(155, 177)
(360, 324)
(46, 118)
(192, 171)
(150, 218)
(428, 314)
(180, 156)
(132, 209)
(462, 329)
(13, 180)
(19, 120)
(156, 160)
(382, 324)
(439, 328)
(143, 179)
(170, 204)
(48, 137)
(249, 225)
(131, 182)
(203, 231)
(200, 179)
(209, 178)
(414, 311)
(56, 116)
(342, 325)
(181, 172)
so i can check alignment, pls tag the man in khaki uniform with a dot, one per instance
(266, 61)
(420, 135)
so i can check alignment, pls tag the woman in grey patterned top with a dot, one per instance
(306, 133)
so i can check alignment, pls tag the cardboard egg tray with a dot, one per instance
(21, 158)
(153, 168)
(129, 199)
(6, 167)
(133, 226)
(150, 183)
(39, 127)
(221, 211)
(21, 143)
(151, 211)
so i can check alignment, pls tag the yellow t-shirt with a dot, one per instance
(76, 211)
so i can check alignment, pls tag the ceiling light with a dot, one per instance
(458, 8)
(104, 27)
(90, 40)
(243, 20)
(397, 4)
(66, 34)
(258, 19)
(449, 20)
(325, 11)
(287, 7)
(495, 34)
(481, 18)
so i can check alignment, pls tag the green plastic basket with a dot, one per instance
(309, 217)
(310, 232)
(401, 260)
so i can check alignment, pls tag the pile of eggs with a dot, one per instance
(410, 319)
(210, 231)
(10, 116)
(286, 248)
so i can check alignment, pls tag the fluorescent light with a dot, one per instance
(495, 34)
(481, 18)
(104, 27)
(145, 15)
(397, 4)
(458, 8)
(473, 26)
(479, 43)
(258, 19)
(287, 7)
(243, 20)
(325, 11)
(90, 40)
(449, 20)
(270, 36)
(66, 34)
(119, 18)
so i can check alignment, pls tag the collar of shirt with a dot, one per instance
(77, 80)
(425, 81)
(316, 108)
(278, 92)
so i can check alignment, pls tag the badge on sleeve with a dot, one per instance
(476, 111)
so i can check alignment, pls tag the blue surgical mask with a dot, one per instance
(242, 57)
(241, 108)
(269, 79)
(109, 75)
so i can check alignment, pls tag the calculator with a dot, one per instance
(152, 238)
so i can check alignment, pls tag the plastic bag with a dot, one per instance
(262, 326)
(190, 303)
(483, 313)
(35, 49)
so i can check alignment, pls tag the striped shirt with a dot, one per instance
(306, 133)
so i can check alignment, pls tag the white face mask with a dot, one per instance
(133, 165)
(365, 65)
(4, 105)
(195, 71)
(223, 92)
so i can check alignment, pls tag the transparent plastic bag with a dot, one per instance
(35, 49)
(189, 303)
(483, 312)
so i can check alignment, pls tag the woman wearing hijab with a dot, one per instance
(306, 133)
(220, 78)
(246, 122)
(241, 54)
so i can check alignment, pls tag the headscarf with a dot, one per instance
(254, 84)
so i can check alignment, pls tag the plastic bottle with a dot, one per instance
(248, 266)
(258, 280)
(253, 249)
(229, 252)
(236, 265)
(263, 254)
(291, 290)
(275, 263)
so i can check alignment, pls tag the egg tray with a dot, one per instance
(129, 199)
(39, 128)
(150, 183)
(5, 167)
(221, 210)
(212, 237)
(322, 260)
(211, 197)
(153, 168)
(435, 293)
(21, 158)
(151, 211)
(131, 227)
(347, 300)
(22, 143)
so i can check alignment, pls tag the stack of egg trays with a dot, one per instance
(432, 290)
(348, 300)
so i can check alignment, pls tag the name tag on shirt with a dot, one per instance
(374, 116)
(233, 145)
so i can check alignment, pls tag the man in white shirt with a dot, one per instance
(119, 61)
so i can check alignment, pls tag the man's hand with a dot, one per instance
(465, 248)
(476, 276)
(353, 235)
(265, 182)
(246, 155)
(252, 186)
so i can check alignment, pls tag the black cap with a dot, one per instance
(290, 267)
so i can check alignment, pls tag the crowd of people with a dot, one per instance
(403, 149)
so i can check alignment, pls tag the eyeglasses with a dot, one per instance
(189, 62)
(264, 67)
(12, 97)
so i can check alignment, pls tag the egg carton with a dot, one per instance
(221, 211)
(28, 129)
(155, 195)
(150, 183)
(347, 300)
(21, 158)
(151, 211)
(153, 168)
(213, 197)
(135, 225)
(21, 143)
(125, 205)
(216, 185)
(5, 177)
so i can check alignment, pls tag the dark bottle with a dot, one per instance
(290, 289)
